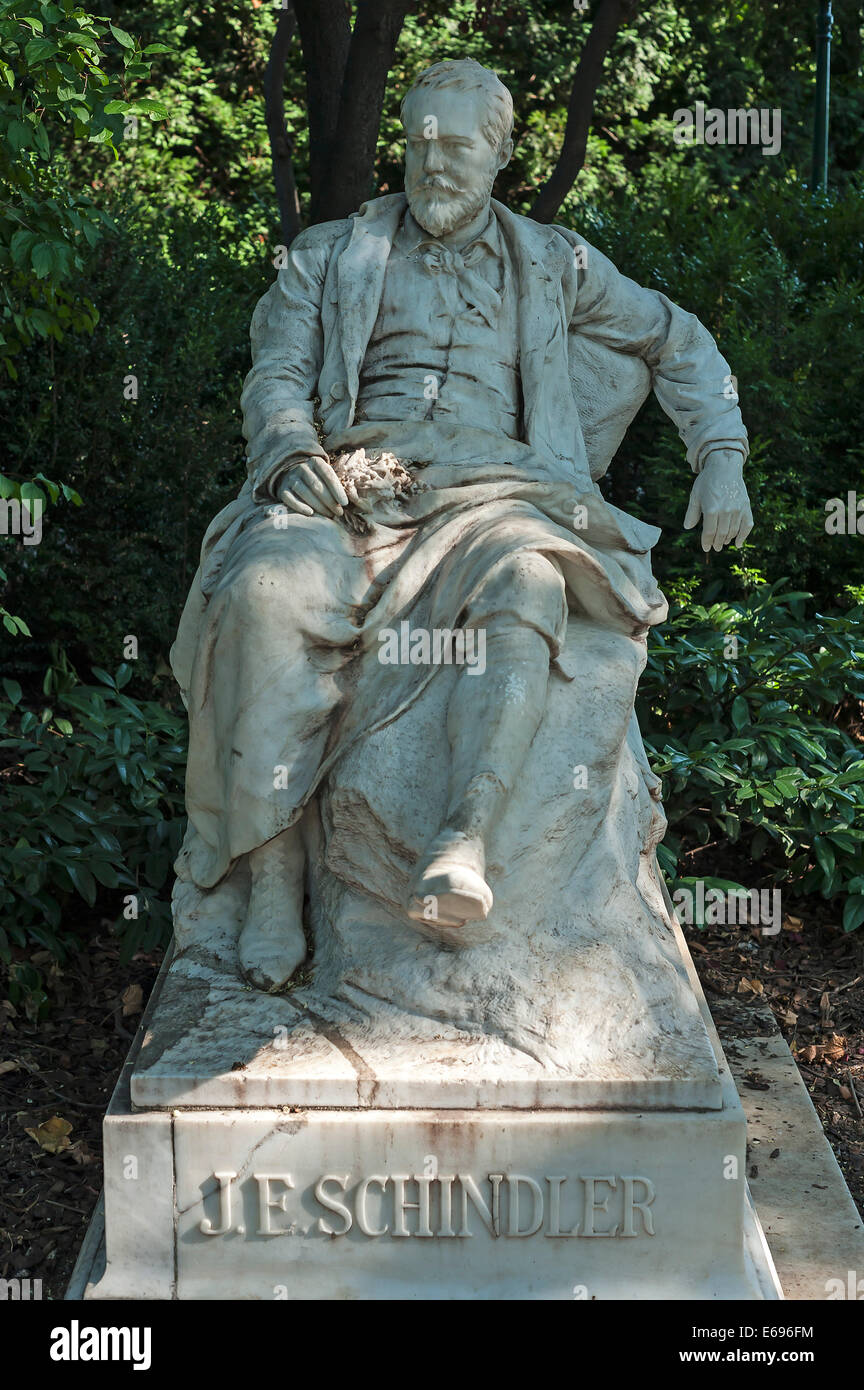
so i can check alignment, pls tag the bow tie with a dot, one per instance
(472, 287)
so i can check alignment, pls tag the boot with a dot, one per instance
(491, 723)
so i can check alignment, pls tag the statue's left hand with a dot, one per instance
(720, 498)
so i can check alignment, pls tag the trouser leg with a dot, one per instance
(492, 720)
(491, 723)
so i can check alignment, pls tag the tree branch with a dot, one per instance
(281, 145)
(608, 19)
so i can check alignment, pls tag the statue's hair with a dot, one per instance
(467, 75)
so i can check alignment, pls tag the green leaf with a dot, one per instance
(121, 36)
(824, 855)
(740, 712)
(39, 49)
(156, 110)
(53, 488)
(83, 880)
(42, 259)
(853, 912)
(13, 690)
(18, 134)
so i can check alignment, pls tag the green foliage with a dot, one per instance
(176, 297)
(742, 708)
(54, 73)
(25, 502)
(778, 279)
(91, 801)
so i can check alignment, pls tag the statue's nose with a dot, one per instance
(432, 161)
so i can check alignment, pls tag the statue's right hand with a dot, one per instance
(313, 489)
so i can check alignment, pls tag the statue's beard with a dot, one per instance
(440, 207)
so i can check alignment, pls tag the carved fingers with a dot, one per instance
(719, 497)
(313, 489)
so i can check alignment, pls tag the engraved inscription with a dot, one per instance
(447, 1206)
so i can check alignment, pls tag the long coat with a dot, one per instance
(276, 651)
(592, 344)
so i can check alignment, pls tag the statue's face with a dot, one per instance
(450, 166)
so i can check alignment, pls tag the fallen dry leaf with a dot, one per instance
(133, 998)
(830, 1051)
(746, 986)
(53, 1135)
(835, 1049)
(6, 1067)
(81, 1153)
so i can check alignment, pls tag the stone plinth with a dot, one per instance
(311, 1170)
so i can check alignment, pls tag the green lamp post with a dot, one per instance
(819, 181)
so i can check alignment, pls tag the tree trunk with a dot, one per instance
(281, 146)
(348, 179)
(608, 19)
(325, 34)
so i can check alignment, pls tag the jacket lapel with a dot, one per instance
(360, 280)
(542, 260)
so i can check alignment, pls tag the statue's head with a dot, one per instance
(458, 120)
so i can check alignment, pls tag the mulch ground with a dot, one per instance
(57, 1073)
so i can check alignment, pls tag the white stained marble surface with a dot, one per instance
(576, 994)
(461, 1205)
(433, 1203)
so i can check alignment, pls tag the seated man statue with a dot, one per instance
(418, 465)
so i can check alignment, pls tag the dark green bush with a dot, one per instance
(779, 281)
(91, 802)
(742, 707)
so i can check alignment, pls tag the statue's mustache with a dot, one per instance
(435, 183)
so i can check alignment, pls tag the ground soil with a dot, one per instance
(57, 1073)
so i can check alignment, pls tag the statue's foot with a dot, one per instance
(272, 943)
(450, 888)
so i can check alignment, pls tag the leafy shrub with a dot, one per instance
(91, 800)
(175, 303)
(742, 706)
(778, 281)
(55, 82)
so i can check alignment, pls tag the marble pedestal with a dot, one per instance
(311, 1171)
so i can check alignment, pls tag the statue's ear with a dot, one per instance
(506, 154)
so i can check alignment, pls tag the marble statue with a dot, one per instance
(420, 615)
(426, 981)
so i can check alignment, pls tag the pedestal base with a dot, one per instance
(429, 1203)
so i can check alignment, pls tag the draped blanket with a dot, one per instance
(278, 648)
